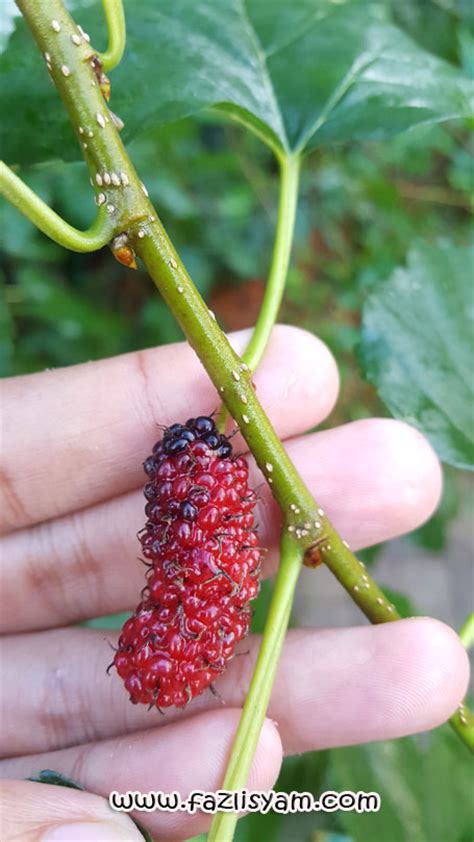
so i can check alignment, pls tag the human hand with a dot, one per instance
(71, 504)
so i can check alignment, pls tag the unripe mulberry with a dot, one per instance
(203, 562)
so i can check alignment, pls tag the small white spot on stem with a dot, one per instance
(236, 376)
(320, 512)
(180, 289)
(98, 179)
(115, 179)
(221, 390)
(76, 39)
(141, 234)
(80, 130)
(144, 188)
(101, 198)
(243, 398)
(65, 70)
(110, 208)
(173, 263)
(124, 179)
(245, 419)
(212, 314)
(84, 34)
(291, 528)
(56, 25)
(107, 179)
(317, 524)
(379, 600)
(244, 367)
(100, 119)
(269, 468)
(355, 588)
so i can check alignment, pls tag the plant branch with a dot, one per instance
(258, 696)
(289, 179)
(288, 197)
(115, 20)
(308, 534)
(41, 215)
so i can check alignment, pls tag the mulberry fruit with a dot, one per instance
(203, 560)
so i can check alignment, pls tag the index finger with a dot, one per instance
(76, 436)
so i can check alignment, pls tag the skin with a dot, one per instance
(71, 503)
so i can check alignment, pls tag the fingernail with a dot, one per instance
(88, 832)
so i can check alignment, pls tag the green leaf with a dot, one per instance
(403, 604)
(434, 534)
(417, 347)
(49, 776)
(299, 74)
(424, 785)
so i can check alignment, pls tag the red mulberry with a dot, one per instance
(201, 547)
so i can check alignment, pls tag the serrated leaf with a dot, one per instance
(416, 347)
(300, 74)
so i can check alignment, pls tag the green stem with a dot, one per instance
(115, 20)
(288, 198)
(463, 720)
(466, 632)
(258, 696)
(462, 723)
(41, 215)
(131, 213)
(289, 179)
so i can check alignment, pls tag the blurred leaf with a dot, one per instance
(466, 47)
(48, 776)
(401, 601)
(40, 297)
(111, 621)
(425, 789)
(417, 347)
(433, 535)
(6, 333)
(298, 73)
(369, 555)
(261, 606)
(300, 773)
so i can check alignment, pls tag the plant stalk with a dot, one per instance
(289, 169)
(258, 696)
(115, 21)
(287, 203)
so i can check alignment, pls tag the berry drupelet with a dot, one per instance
(203, 562)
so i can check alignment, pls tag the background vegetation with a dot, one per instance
(364, 207)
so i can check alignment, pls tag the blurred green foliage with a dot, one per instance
(362, 207)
